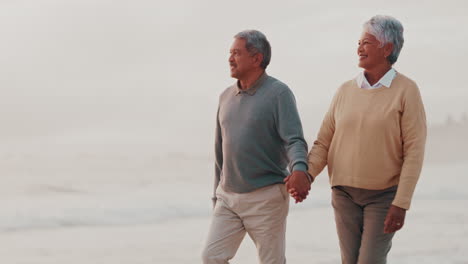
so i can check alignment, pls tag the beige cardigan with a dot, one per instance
(373, 139)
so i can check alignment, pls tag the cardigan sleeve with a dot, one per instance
(318, 155)
(413, 136)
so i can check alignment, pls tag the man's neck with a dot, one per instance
(248, 81)
(375, 74)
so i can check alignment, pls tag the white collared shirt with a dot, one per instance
(386, 80)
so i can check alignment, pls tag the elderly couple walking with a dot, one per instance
(372, 139)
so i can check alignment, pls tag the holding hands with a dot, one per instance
(298, 185)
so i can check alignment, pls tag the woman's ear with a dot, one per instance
(388, 48)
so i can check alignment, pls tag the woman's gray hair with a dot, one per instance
(256, 42)
(387, 29)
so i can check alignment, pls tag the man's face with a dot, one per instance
(241, 62)
(370, 52)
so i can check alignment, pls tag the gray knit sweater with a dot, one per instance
(258, 136)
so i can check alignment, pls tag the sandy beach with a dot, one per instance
(133, 223)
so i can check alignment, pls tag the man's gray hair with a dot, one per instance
(387, 29)
(256, 42)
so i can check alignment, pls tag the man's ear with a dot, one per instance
(388, 48)
(258, 58)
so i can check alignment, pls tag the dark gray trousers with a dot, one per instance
(360, 216)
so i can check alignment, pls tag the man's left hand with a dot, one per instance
(395, 219)
(298, 185)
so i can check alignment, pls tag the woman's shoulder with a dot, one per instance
(347, 85)
(404, 81)
(406, 87)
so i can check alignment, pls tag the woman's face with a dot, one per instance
(370, 52)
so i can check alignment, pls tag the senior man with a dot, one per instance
(258, 134)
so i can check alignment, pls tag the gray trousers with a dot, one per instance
(359, 217)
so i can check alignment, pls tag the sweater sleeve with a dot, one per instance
(218, 155)
(413, 135)
(289, 127)
(318, 155)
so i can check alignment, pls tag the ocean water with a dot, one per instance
(104, 193)
(157, 210)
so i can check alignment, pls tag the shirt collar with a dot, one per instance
(386, 80)
(253, 89)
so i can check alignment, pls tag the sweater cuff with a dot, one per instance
(402, 204)
(301, 166)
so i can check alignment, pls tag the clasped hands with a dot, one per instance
(298, 185)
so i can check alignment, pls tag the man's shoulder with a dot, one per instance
(231, 89)
(276, 86)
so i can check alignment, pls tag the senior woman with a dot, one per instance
(372, 139)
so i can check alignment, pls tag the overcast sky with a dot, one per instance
(147, 74)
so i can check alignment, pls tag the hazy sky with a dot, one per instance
(147, 74)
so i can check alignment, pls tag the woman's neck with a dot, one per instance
(375, 74)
